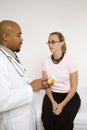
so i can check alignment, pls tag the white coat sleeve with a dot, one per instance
(12, 98)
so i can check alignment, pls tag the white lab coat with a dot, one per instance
(16, 97)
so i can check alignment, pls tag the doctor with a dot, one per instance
(16, 93)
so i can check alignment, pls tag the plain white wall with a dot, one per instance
(38, 18)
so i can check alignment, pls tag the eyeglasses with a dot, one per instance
(52, 42)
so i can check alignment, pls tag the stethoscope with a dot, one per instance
(20, 70)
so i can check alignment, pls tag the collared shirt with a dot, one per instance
(10, 52)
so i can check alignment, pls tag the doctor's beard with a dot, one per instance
(18, 48)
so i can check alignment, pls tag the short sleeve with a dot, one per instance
(73, 65)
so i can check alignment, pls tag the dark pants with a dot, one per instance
(64, 121)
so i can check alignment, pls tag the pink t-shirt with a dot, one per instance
(61, 72)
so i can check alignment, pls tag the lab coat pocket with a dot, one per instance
(23, 119)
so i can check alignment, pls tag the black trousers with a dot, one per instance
(64, 121)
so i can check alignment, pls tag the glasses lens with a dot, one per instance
(52, 42)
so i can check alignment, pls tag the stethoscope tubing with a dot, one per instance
(14, 63)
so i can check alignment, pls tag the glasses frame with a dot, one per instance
(52, 42)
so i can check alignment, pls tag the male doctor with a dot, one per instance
(16, 93)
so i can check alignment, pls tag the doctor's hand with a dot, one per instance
(39, 84)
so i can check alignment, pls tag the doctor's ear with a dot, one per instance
(5, 37)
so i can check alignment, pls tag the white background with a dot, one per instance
(38, 18)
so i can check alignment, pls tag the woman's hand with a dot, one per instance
(57, 108)
(54, 106)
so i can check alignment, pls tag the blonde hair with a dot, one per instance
(61, 38)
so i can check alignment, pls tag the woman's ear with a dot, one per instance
(62, 43)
